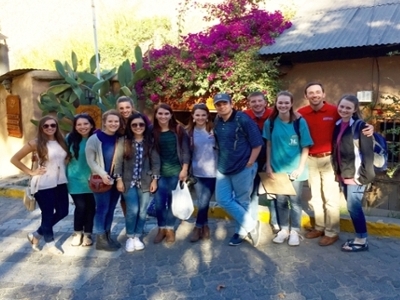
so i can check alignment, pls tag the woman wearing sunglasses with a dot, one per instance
(137, 170)
(202, 143)
(78, 172)
(126, 108)
(100, 156)
(49, 182)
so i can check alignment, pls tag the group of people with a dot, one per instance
(137, 158)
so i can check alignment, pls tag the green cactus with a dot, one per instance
(83, 88)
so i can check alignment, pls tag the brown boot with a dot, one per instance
(170, 236)
(196, 234)
(160, 235)
(313, 234)
(206, 232)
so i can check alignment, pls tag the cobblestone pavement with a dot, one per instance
(208, 269)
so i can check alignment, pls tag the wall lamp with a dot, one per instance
(7, 85)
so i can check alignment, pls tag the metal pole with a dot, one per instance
(96, 48)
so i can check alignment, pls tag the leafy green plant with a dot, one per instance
(77, 88)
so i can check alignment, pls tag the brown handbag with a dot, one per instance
(96, 183)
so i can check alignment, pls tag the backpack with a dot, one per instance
(379, 145)
(238, 129)
(296, 125)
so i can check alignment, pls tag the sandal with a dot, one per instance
(76, 239)
(87, 241)
(35, 246)
(354, 247)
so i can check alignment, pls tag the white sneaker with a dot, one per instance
(294, 238)
(138, 243)
(281, 236)
(52, 248)
(130, 245)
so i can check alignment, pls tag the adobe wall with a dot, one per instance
(28, 87)
(380, 75)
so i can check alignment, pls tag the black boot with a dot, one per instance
(102, 243)
(111, 241)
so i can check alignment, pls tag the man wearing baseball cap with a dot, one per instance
(239, 142)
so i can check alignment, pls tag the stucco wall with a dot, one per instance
(28, 87)
(380, 75)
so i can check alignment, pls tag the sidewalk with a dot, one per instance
(383, 226)
(204, 270)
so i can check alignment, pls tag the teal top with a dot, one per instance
(170, 165)
(285, 148)
(78, 171)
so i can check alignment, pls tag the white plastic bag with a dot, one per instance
(182, 203)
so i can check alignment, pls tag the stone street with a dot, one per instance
(208, 269)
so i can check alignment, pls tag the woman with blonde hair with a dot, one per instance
(100, 156)
(49, 181)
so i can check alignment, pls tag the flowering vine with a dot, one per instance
(222, 58)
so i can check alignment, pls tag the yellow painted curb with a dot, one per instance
(11, 193)
(374, 228)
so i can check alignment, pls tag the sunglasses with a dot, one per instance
(52, 125)
(135, 125)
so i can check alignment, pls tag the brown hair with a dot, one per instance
(190, 126)
(42, 139)
(173, 125)
(256, 94)
(311, 84)
(353, 99)
(275, 112)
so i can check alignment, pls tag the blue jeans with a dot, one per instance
(105, 206)
(233, 194)
(354, 195)
(295, 208)
(254, 199)
(54, 206)
(163, 200)
(204, 188)
(136, 210)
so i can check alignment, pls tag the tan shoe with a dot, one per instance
(328, 240)
(206, 232)
(313, 234)
(160, 235)
(170, 236)
(196, 235)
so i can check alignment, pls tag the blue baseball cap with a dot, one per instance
(222, 97)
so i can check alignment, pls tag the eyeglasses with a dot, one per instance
(135, 125)
(52, 125)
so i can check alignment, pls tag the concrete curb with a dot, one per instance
(381, 226)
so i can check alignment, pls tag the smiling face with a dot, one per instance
(138, 126)
(200, 117)
(315, 95)
(125, 109)
(346, 109)
(111, 124)
(283, 104)
(83, 127)
(257, 104)
(49, 128)
(163, 117)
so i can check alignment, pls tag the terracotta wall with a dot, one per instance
(380, 75)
